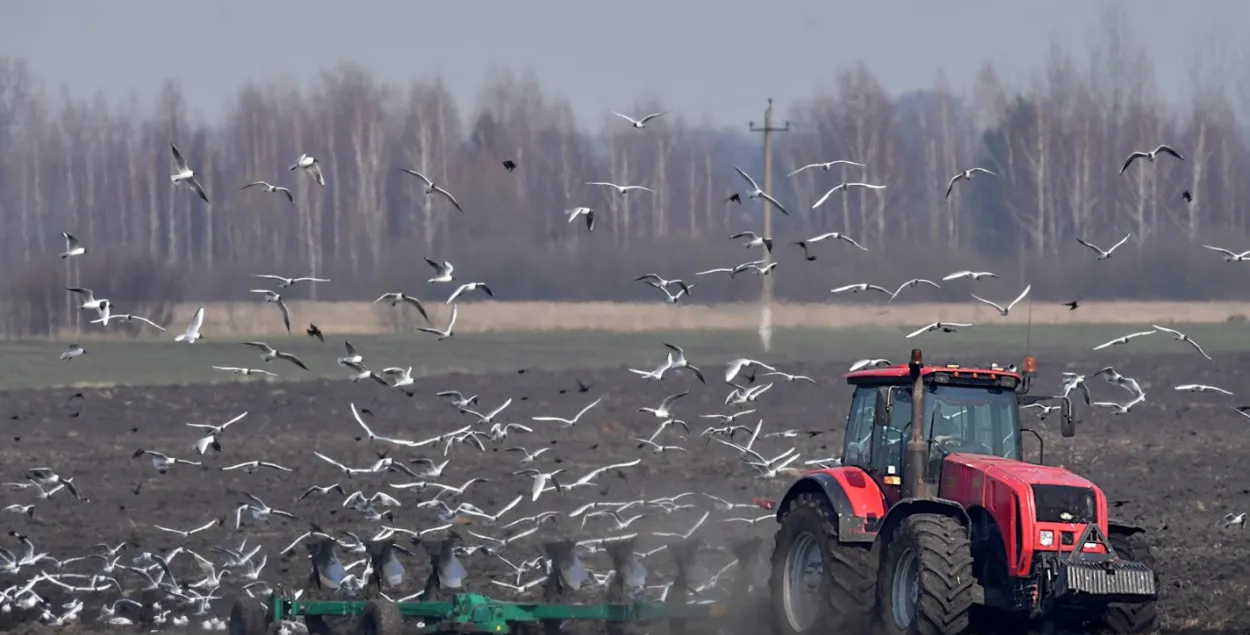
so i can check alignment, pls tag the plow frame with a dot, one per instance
(470, 612)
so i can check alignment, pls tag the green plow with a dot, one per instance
(462, 613)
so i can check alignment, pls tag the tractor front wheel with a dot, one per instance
(819, 585)
(1129, 619)
(927, 581)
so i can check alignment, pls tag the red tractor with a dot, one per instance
(934, 518)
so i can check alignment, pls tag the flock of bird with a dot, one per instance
(432, 499)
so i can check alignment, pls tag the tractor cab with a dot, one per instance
(964, 411)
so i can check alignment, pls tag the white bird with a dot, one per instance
(90, 303)
(193, 330)
(756, 192)
(945, 327)
(640, 123)
(529, 456)
(680, 362)
(443, 333)
(107, 317)
(1004, 311)
(442, 271)
(431, 188)
(212, 432)
(541, 479)
(1103, 255)
(658, 373)
(834, 235)
(363, 372)
(1231, 519)
(1127, 383)
(245, 371)
(1202, 388)
(1181, 337)
(184, 174)
(1125, 339)
(162, 462)
(252, 466)
(825, 166)
(588, 212)
(865, 363)
(966, 175)
(913, 283)
(1152, 155)
(284, 282)
(73, 351)
(402, 377)
(736, 366)
(271, 189)
(861, 286)
(789, 377)
(352, 357)
(845, 187)
(621, 189)
(662, 411)
(1229, 256)
(1122, 409)
(754, 240)
(658, 447)
(469, 286)
(72, 246)
(189, 532)
(276, 298)
(568, 423)
(489, 417)
(269, 353)
(398, 296)
(975, 275)
(311, 167)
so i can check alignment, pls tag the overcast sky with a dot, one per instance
(719, 58)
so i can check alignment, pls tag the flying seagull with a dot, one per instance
(621, 189)
(1125, 339)
(966, 175)
(1181, 337)
(73, 351)
(582, 211)
(398, 296)
(844, 188)
(184, 174)
(975, 275)
(1152, 155)
(269, 353)
(862, 286)
(835, 235)
(1004, 311)
(470, 286)
(1229, 256)
(283, 283)
(945, 327)
(442, 271)
(311, 166)
(640, 123)
(913, 283)
(276, 298)
(1103, 255)
(271, 189)
(443, 333)
(431, 187)
(72, 246)
(756, 192)
(825, 166)
(193, 330)
(754, 240)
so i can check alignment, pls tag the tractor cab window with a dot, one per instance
(859, 426)
(961, 419)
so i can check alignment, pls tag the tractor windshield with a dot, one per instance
(964, 419)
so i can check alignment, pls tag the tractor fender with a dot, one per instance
(940, 506)
(855, 498)
(1124, 529)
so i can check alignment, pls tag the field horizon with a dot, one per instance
(257, 319)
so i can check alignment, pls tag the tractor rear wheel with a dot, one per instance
(247, 617)
(819, 585)
(1128, 619)
(380, 618)
(927, 581)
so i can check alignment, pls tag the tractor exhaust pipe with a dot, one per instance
(915, 458)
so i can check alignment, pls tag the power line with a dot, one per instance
(766, 295)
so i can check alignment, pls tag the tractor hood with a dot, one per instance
(1020, 473)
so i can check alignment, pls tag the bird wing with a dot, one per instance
(455, 309)
(254, 184)
(261, 345)
(1220, 249)
(747, 177)
(70, 241)
(625, 117)
(1198, 348)
(983, 170)
(1020, 297)
(287, 192)
(850, 240)
(826, 196)
(922, 330)
(583, 410)
(1167, 149)
(743, 235)
(197, 321)
(951, 186)
(418, 175)
(450, 198)
(1091, 246)
(810, 165)
(286, 315)
(770, 199)
(1122, 241)
(416, 303)
(315, 170)
(652, 116)
(195, 186)
(455, 294)
(1166, 329)
(293, 359)
(1131, 158)
(981, 299)
(180, 162)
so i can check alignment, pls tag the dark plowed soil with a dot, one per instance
(1175, 465)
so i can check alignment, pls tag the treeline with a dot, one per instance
(100, 170)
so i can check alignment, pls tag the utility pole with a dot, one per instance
(766, 296)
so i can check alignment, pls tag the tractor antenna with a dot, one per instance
(1028, 330)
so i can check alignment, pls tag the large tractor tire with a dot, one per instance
(818, 584)
(247, 617)
(927, 582)
(380, 617)
(1129, 619)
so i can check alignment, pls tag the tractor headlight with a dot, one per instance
(1046, 537)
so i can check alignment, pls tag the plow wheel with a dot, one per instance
(819, 585)
(926, 581)
(1129, 619)
(247, 617)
